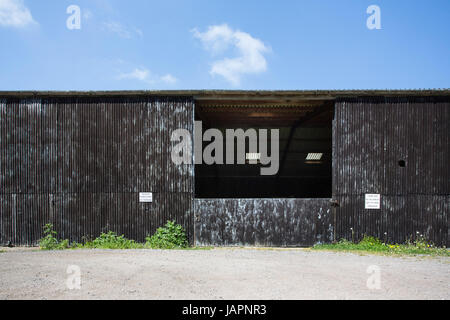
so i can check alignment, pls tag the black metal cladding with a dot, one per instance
(399, 148)
(80, 164)
(263, 222)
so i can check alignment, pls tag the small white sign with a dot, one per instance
(145, 197)
(373, 201)
(253, 158)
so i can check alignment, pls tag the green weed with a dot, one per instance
(111, 240)
(171, 236)
(374, 245)
(50, 240)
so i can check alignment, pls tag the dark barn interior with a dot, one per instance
(305, 128)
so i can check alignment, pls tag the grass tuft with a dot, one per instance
(373, 245)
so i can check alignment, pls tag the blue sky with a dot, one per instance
(208, 44)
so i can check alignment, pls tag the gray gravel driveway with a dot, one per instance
(224, 273)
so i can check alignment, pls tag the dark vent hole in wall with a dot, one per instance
(402, 163)
(303, 131)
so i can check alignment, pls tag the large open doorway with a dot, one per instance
(305, 150)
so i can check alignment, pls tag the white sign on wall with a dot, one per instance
(373, 201)
(145, 197)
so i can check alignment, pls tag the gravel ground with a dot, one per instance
(225, 273)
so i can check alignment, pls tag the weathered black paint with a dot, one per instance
(263, 222)
(79, 160)
(371, 136)
(80, 164)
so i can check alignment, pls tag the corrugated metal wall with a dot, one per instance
(263, 222)
(371, 136)
(80, 164)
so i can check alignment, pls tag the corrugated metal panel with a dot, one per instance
(80, 164)
(371, 136)
(262, 222)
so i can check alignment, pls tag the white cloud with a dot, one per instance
(169, 79)
(144, 75)
(250, 59)
(136, 74)
(14, 13)
(121, 30)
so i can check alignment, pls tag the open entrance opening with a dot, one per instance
(304, 149)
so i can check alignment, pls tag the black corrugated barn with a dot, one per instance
(80, 160)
